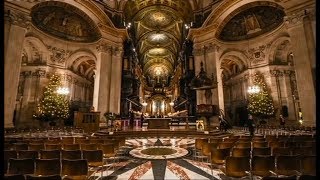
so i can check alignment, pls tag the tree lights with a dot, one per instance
(260, 102)
(53, 105)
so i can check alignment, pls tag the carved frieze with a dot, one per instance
(103, 47)
(40, 73)
(58, 55)
(257, 55)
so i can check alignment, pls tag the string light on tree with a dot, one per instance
(260, 102)
(53, 105)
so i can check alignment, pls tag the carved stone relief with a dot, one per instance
(58, 55)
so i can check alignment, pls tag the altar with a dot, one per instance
(158, 123)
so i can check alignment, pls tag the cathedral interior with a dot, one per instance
(160, 89)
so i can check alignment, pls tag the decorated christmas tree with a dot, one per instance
(260, 103)
(53, 106)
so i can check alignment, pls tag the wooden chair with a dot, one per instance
(243, 145)
(7, 155)
(50, 177)
(25, 154)
(21, 166)
(259, 144)
(108, 150)
(263, 166)
(67, 140)
(56, 146)
(218, 156)
(45, 167)
(308, 165)
(49, 154)
(277, 151)
(225, 145)
(75, 169)
(36, 147)
(261, 151)
(81, 140)
(71, 154)
(287, 165)
(89, 146)
(241, 152)
(20, 146)
(96, 140)
(71, 146)
(307, 177)
(94, 159)
(237, 167)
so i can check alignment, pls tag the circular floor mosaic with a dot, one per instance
(158, 152)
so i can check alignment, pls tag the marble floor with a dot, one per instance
(128, 167)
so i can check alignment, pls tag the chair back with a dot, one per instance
(21, 166)
(261, 151)
(262, 165)
(46, 167)
(71, 146)
(71, 154)
(56, 146)
(240, 152)
(25, 154)
(49, 154)
(237, 166)
(77, 167)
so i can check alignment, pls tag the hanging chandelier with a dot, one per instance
(202, 81)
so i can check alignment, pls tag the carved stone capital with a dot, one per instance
(198, 51)
(117, 51)
(102, 47)
(212, 48)
(276, 73)
(295, 19)
(21, 20)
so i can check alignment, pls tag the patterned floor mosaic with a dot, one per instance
(128, 167)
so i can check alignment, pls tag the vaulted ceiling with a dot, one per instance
(158, 29)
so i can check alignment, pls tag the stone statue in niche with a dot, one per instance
(252, 24)
(24, 59)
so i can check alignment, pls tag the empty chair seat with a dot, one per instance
(21, 166)
(262, 165)
(108, 150)
(20, 146)
(199, 143)
(281, 151)
(89, 146)
(261, 151)
(94, 157)
(49, 154)
(7, 155)
(71, 146)
(71, 154)
(287, 165)
(53, 146)
(218, 156)
(77, 169)
(225, 145)
(67, 140)
(25, 154)
(308, 165)
(46, 167)
(36, 146)
(243, 145)
(259, 144)
(240, 152)
(237, 166)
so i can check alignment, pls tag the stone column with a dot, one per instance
(287, 94)
(14, 38)
(198, 54)
(101, 95)
(27, 87)
(214, 68)
(116, 73)
(303, 60)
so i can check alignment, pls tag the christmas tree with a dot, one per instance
(52, 106)
(260, 103)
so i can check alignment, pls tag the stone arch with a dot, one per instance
(232, 59)
(79, 59)
(275, 48)
(221, 15)
(31, 42)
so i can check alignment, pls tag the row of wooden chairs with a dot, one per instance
(49, 167)
(268, 166)
(31, 177)
(41, 146)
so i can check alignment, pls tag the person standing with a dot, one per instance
(250, 124)
(131, 119)
(282, 121)
(141, 119)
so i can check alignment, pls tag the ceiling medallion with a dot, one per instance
(157, 51)
(158, 16)
(158, 37)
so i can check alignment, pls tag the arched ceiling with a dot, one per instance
(158, 33)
